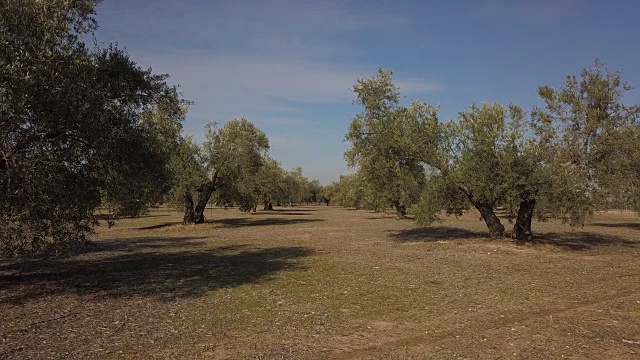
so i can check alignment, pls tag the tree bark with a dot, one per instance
(496, 229)
(401, 209)
(189, 213)
(522, 228)
(205, 194)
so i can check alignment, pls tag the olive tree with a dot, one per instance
(577, 155)
(188, 171)
(295, 187)
(232, 154)
(484, 149)
(271, 184)
(582, 153)
(586, 126)
(496, 160)
(389, 141)
(349, 192)
(313, 191)
(73, 135)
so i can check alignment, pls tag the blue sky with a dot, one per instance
(288, 66)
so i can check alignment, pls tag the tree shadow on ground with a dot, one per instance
(160, 226)
(632, 226)
(283, 210)
(143, 243)
(295, 213)
(390, 217)
(242, 222)
(582, 240)
(163, 274)
(436, 233)
(105, 217)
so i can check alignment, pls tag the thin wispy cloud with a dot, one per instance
(232, 86)
(289, 65)
(281, 27)
(251, 58)
(288, 121)
(281, 141)
(539, 11)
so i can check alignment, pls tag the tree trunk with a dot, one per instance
(496, 229)
(522, 228)
(189, 213)
(401, 209)
(267, 206)
(205, 194)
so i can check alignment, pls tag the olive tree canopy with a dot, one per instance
(72, 132)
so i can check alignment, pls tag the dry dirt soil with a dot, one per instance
(318, 282)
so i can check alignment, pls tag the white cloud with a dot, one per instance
(277, 54)
(279, 27)
(545, 10)
(280, 141)
(282, 121)
(233, 86)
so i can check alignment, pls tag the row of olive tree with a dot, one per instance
(576, 155)
(233, 167)
(85, 129)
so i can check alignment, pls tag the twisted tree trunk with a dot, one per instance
(522, 228)
(189, 213)
(205, 194)
(496, 229)
(195, 214)
(401, 209)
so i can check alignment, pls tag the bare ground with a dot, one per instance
(319, 282)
